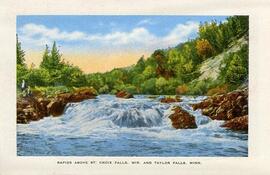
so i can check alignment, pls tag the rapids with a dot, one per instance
(110, 126)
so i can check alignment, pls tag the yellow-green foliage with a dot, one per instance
(218, 90)
(182, 89)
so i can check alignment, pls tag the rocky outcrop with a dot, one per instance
(170, 99)
(237, 124)
(35, 108)
(56, 108)
(123, 94)
(181, 119)
(31, 109)
(226, 107)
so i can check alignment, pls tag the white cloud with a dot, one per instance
(181, 33)
(38, 35)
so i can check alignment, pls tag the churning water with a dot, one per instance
(109, 126)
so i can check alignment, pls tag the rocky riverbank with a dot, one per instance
(37, 107)
(231, 107)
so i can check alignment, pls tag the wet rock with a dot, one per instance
(56, 108)
(170, 99)
(237, 124)
(30, 109)
(181, 119)
(124, 94)
(225, 107)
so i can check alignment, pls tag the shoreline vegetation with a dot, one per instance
(214, 64)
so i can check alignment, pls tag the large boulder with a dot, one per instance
(237, 124)
(181, 119)
(124, 94)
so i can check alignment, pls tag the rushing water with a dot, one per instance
(109, 126)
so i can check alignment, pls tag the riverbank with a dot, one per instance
(36, 107)
(231, 108)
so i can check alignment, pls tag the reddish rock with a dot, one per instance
(182, 120)
(237, 124)
(225, 107)
(123, 94)
(170, 99)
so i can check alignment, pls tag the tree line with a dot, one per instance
(165, 71)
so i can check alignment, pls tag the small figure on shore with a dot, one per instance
(26, 89)
(28, 92)
(23, 86)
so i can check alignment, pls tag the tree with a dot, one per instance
(204, 48)
(149, 72)
(161, 84)
(45, 58)
(149, 86)
(19, 52)
(51, 61)
(237, 71)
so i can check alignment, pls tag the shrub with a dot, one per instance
(182, 89)
(218, 90)
(204, 48)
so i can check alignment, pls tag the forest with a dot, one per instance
(166, 71)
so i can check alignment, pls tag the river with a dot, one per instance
(110, 126)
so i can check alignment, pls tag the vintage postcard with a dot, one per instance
(132, 85)
(114, 92)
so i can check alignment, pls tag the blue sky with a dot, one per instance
(110, 34)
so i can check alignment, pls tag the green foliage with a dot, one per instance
(131, 89)
(19, 53)
(51, 91)
(21, 73)
(37, 77)
(51, 61)
(149, 72)
(235, 70)
(161, 85)
(149, 86)
(104, 89)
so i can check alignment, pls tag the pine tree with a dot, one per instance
(55, 57)
(51, 60)
(19, 52)
(45, 58)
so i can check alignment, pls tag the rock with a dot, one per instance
(77, 96)
(182, 120)
(123, 94)
(56, 108)
(237, 124)
(37, 107)
(170, 99)
(226, 106)
(29, 109)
